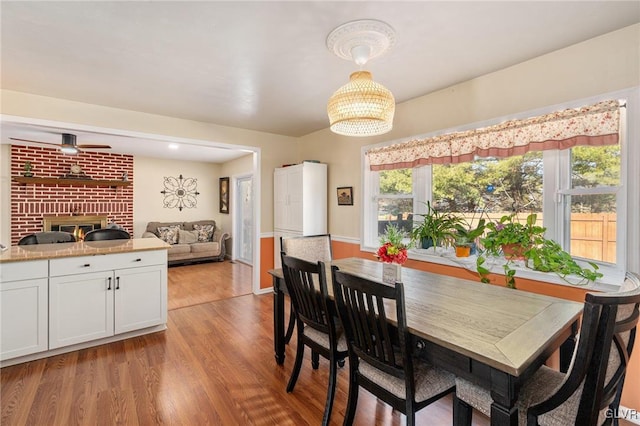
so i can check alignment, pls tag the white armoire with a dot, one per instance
(299, 201)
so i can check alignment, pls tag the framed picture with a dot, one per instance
(345, 196)
(224, 195)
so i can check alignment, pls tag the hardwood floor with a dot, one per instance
(213, 365)
(207, 282)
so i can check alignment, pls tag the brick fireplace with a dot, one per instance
(33, 205)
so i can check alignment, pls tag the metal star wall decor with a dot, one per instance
(180, 192)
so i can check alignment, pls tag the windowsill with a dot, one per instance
(611, 280)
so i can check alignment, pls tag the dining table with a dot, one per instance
(496, 337)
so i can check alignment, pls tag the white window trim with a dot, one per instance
(628, 235)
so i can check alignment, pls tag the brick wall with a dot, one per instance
(29, 203)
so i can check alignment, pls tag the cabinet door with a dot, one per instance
(80, 308)
(287, 198)
(140, 298)
(295, 187)
(280, 198)
(23, 317)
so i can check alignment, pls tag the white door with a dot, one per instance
(243, 241)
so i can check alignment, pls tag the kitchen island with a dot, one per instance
(56, 298)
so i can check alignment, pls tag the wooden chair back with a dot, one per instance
(597, 373)
(362, 306)
(307, 286)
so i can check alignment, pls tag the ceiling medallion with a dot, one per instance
(361, 107)
(377, 35)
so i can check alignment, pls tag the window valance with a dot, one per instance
(595, 125)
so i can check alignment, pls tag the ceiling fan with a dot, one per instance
(69, 145)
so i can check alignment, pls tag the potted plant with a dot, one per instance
(393, 252)
(436, 229)
(526, 241)
(466, 237)
(512, 238)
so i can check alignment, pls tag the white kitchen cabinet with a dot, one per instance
(23, 308)
(300, 202)
(80, 308)
(113, 294)
(140, 298)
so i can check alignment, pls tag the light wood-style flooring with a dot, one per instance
(213, 365)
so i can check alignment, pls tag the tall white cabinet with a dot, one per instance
(300, 202)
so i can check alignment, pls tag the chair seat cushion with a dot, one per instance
(543, 384)
(323, 338)
(429, 380)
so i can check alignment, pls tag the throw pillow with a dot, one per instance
(187, 237)
(205, 232)
(169, 234)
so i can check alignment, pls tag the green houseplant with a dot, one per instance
(466, 236)
(526, 241)
(436, 229)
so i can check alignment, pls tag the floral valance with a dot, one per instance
(594, 125)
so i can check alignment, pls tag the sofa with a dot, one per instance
(190, 241)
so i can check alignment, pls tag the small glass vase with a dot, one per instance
(391, 272)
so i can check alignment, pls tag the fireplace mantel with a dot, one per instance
(71, 182)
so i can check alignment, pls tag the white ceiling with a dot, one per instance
(264, 65)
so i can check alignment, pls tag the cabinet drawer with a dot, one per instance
(106, 262)
(16, 271)
(139, 258)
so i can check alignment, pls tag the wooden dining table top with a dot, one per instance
(504, 328)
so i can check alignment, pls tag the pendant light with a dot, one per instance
(362, 107)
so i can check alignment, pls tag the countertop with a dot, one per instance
(82, 248)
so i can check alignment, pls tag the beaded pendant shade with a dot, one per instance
(361, 107)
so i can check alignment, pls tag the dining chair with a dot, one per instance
(312, 248)
(47, 237)
(106, 234)
(316, 321)
(589, 393)
(380, 355)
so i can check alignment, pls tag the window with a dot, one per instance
(579, 195)
(395, 195)
(589, 202)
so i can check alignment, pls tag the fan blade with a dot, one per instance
(94, 146)
(27, 140)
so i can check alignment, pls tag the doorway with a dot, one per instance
(243, 220)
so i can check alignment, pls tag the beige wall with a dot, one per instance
(600, 65)
(149, 174)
